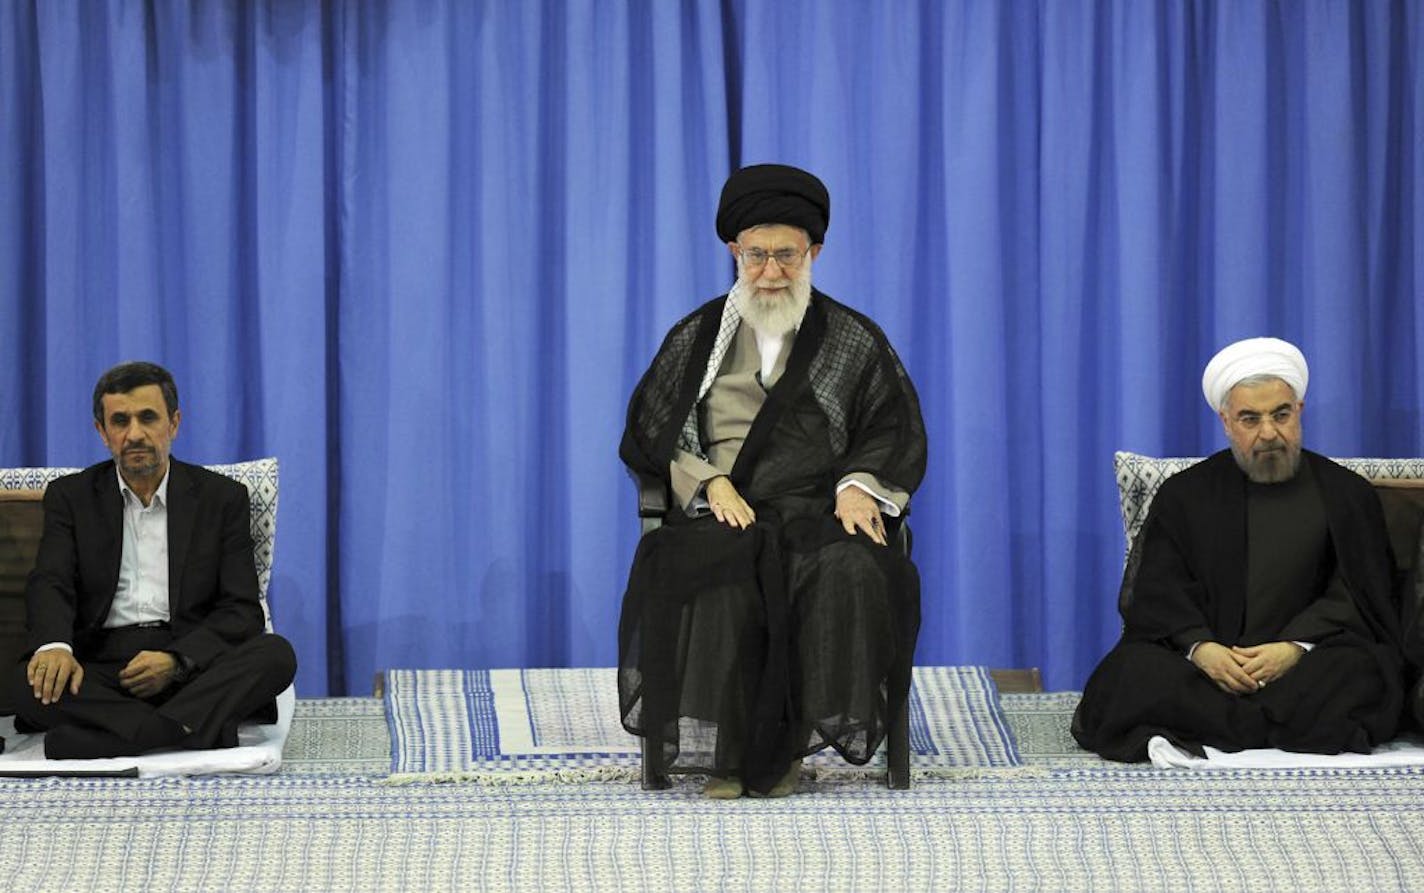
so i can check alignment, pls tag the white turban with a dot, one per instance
(1254, 356)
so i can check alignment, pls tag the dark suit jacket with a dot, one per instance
(212, 581)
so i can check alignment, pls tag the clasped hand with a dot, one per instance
(1243, 670)
(149, 673)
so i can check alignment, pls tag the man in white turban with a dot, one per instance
(1266, 371)
(1257, 601)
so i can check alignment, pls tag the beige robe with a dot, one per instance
(726, 415)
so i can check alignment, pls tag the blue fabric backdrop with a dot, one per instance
(422, 251)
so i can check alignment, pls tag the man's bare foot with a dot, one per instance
(787, 784)
(722, 788)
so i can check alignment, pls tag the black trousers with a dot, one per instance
(236, 685)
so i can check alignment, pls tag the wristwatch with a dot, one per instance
(184, 671)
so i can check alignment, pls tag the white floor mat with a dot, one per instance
(1406, 750)
(259, 751)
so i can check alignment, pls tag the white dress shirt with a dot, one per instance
(142, 592)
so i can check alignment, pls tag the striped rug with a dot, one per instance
(525, 724)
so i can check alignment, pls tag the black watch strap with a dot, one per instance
(184, 672)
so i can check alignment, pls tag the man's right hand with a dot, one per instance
(1223, 666)
(49, 672)
(727, 504)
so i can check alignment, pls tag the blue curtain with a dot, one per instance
(422, 251)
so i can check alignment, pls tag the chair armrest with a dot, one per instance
(652, 495)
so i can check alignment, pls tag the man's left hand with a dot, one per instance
(149, 673)
(858, 510)
(1269, 662)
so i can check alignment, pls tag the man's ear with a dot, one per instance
(1225, 422)
(732, 249)
(174, 420)
(815, 251)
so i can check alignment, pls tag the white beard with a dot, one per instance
(774, 311)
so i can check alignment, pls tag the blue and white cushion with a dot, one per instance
(1138, 478)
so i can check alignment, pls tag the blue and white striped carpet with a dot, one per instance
(466, 723)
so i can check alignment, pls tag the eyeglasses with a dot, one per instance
(786, 258)
(1252, 420)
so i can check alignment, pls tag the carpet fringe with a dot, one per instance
(572, 775)
(838, 774)
(623, 774)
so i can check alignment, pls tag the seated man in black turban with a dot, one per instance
(767, 619)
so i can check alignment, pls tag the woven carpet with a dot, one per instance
(511, 725)
(1060, 830)
(329, 822)
(338, 736)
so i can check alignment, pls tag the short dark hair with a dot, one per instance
(126, 377)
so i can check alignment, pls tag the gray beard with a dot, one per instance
(777, 314)
(1271, 467)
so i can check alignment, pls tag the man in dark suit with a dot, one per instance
(145, 629)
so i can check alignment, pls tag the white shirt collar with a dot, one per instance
(160, 496)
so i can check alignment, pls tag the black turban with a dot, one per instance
(773, 193)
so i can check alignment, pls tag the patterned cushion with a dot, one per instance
(259, 476)
(1138, 478)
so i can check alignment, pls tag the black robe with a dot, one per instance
(1187, 580)
(741, 650)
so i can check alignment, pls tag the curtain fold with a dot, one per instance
(421, 252)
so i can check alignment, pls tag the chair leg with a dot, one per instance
(654, 778)
(897, 749)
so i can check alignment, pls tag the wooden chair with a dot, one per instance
(653, 503)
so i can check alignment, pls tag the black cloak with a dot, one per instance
(741, 650)
(1187, 572)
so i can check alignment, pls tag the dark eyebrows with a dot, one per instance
(147, 414)
(1251, 413)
